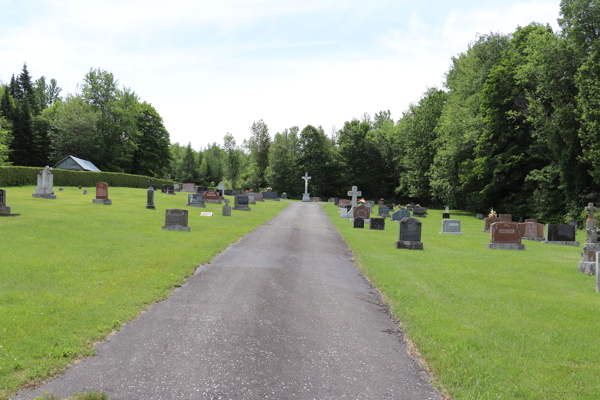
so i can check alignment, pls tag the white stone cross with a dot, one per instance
(590, 209)
(354, 193)
(306, 179)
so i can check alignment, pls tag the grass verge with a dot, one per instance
(491, 324)
(73, 271)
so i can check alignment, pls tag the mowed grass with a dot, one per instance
(72, 271)
(491, 324)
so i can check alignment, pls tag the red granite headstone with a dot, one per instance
(361, 212)
(505, 232)
(489, 221)
(531, 230)
(102, 191)
(212, 195)
(505, 217)
(531, 220)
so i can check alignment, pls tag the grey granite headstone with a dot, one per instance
(226, 212)
(61, 189)
(284, 196)
(196, 200)
(409, 236)
(251, 198)
(176, 220)
(446, 213)
(270, 195)
(45, 179)
(5, 211)
(451, 226)
(343, 212)
(150, 199)
(85, 191)
(419, 212)
(479, 216)
(400, 214)
(241, 203)
(384, 210)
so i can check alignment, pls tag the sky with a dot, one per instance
(214, 67)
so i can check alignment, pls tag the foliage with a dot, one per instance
(258, 145)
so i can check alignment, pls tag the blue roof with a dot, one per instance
(86, 165)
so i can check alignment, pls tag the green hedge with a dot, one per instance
(24, 176)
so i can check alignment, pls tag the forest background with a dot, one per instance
(516, 127)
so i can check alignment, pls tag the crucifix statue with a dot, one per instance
(306, 178)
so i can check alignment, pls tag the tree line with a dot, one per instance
(516, 127)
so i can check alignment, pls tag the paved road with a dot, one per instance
(282, 314)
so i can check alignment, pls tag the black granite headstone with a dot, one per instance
(560, 233)
(377, 224)
(196, 200)
(359, 223)
(410, 230)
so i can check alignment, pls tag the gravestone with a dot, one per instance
(331, 200)
(176, 220)
(354, 193)
(257, 196)
(306, 195)
(284, 196)
(102, 194)
(409, 236)
(45, 179)
(150, 199)
(505, 236)
(229, 193)
(196, 200)
(531, 230)
(563, 234)
(189, 187)
(344, 202)
(400, 214)
(530, 220)
(176, 187)
(377, 224)
(168, 189)
(61, 189)
(206, 214)
(487, 222)
(226, 212)
(251, 198)
(446, 213)
(241, 203)
(315, 199)
(384, 210)
(201, 189)
(212, 196)
(479, 216)
(419, 212)
(451, 226)
(84, 191)
(360, 212)
(359, 223)
(591, 245)
(237, 192)
(505, 217)
(343, 212)
(270, 195)
(5, 211)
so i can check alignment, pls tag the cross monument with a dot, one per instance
(306, 178)
(354, 193)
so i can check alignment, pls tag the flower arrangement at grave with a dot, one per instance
(492, 213)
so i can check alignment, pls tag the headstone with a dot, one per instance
(241, 203)
(226, 212)
(150, 199)
(359, 223)
(168, 189)
(591, 246)
(487, 222)
(530, 220)
(176, 187)
(384, 210)
(229, 193)
(5, 211)
(344, 202)
(176, 220)
(201, 189)
(377, 224)
(284, 196)
(446, 213)
(306, 195)
(531, 231)
(563, 234)
(343, 212)
(257, 196)
(354, 193)
(331, 200)
(419, 212)
(102, 194)
(251, 198)
(270, 195)
(479, 216)
(315, 199)
(61, 189)
(410, 207)
(237, 192)
(85, 191)
(189, 187)
(196, 200)
(212, 196)
(505, 236)
(409, 236)
(505, 217)
(45, 179)
(360, 212)
(400, 214)
(206, 214)
(451, 226)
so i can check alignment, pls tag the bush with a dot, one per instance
(24, 176)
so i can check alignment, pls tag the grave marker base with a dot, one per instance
(536, 239)
(196, 205)
(403, 244)
(587, 267)
(241, 209)
(177, 228)
(505, 246)
(576, 244)
(44, 196)
(213, 201)
(453, 233)
(151, 207)
(106, 202)
(305, 197)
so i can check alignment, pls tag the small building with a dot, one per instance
(76, 164)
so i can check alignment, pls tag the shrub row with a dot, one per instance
(24, 176)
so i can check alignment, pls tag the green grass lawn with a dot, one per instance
(491, 324)
(72, 271)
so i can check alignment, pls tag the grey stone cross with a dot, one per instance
(590, 209)
(354, 193)
(306, 179)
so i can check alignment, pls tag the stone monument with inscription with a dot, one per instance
(45, 180)
(241, 203)
(563, 234)
(505, 236)
(5, 211)
(409, 236)
(196, 200)
(176, 220)
(591, 245)
(226, 212)
(451, 226)
(150, 203)
(102, 194)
